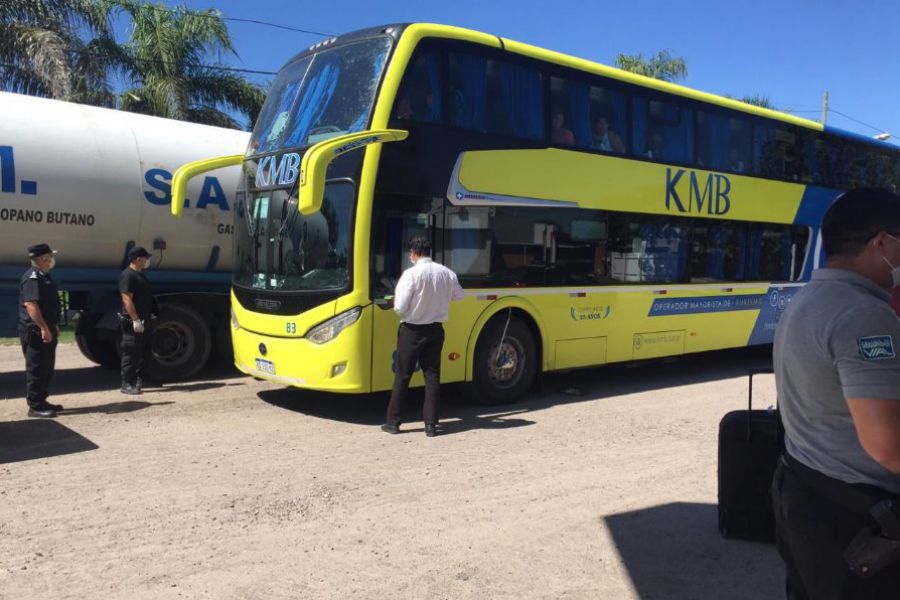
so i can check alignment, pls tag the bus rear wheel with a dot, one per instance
(505, 365)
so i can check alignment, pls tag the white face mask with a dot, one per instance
(895, 271)
(145, 262)
(52, 263)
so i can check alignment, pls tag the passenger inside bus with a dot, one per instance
(559, 133)
(416, 103)
(655, 146)
(604, 139)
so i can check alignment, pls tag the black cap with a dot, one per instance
(138, 252)
(39, 250)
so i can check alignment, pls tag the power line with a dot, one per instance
(879, 129)
(203, 66)
(237, 19)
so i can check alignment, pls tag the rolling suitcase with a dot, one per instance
(750, 444)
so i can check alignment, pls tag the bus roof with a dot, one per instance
(431, 30)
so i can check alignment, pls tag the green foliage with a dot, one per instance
(662, 66)
(65, 49)
(44, 51)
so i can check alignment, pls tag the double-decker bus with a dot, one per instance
(592, 215)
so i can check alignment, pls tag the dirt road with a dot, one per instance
(230, 488)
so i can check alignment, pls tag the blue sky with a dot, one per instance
(791, 51)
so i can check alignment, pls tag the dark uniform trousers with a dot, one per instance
(422, 344)
(132, 346)
(40, 361)
(812, 532)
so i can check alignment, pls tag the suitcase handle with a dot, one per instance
(762, 371)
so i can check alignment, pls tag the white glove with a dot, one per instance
(138, 326)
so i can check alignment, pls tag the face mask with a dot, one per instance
(52, 263)
(145, 262)
(895, 271)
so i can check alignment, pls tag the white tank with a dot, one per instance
(89, 180)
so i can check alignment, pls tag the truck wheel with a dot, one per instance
(102, 352)
(180, 344)
(503, 372)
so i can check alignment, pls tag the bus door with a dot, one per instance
(396, 220)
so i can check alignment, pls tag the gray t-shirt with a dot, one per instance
(837, 339)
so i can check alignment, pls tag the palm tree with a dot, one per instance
(175, 71)
(42, 52)
(662, 66)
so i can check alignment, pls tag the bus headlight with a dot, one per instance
(234, 321)
(327, 331)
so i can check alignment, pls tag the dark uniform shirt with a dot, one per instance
(36, 286)
(136, 284)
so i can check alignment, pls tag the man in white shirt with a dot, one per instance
(422, 299)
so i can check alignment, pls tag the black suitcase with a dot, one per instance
(750, 444)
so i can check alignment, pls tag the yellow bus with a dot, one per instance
(592, 215)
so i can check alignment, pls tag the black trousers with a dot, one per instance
(417, 344)
(812, 532)
(40, 362)
(132, 355)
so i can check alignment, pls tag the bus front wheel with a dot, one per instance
(505, 362)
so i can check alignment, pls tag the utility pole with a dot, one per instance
(825, 107)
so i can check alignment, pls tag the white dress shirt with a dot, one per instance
(424, 293)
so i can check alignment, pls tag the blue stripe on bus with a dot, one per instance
(813, 204)
(663, 307)
(776, 301)
(870, 141)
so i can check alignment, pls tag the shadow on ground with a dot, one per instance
(556, 388)
(674, 552)
(82, 380)
(39, 438)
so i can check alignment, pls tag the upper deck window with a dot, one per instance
(662, 129)
(494, 96)
(322, 95)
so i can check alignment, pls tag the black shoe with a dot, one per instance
(431, 429)
(131, 390)
(42, 412)
(389, 428)
(56, 407)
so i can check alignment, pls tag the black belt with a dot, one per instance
(421, 326)
(858, 498)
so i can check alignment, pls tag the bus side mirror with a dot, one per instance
(185, 173)
(318, 157)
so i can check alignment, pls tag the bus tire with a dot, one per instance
(179, 344)
(103, 352)
(500, 382)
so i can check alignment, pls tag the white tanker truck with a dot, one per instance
(93, 183)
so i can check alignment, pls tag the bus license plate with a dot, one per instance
(266, 366)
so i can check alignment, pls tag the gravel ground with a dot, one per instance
(600, 485)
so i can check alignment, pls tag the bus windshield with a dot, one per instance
(278, 249)
(320, 96)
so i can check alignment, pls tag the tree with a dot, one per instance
(758, 100)
(175, 69)
(43, 53)
(662, 66)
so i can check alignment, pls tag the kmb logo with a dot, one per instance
(709, 196)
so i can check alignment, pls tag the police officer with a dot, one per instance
(39, 314)
(137, 308)
(836, 491)
(422, 300)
